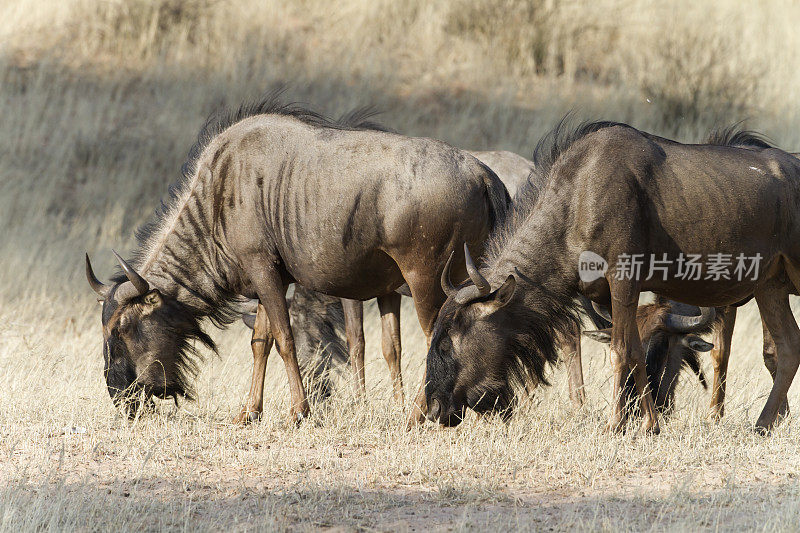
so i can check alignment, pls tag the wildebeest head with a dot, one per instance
(669, 332)
(476, 345)
(147, 340)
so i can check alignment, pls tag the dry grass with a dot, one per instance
(100, 102)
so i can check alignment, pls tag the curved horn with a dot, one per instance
(96, 285)
(602, 311)
(447, 285)
(480, 282)
(138, 281)
(687, 324)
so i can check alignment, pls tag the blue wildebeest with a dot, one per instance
(276, 194)
(335, 324)
(503, 324)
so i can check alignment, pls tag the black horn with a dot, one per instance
(447, 285)
(138, 281)
(96, 285)
(602, 311)
(686, 324)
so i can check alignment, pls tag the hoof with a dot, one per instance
(651, 428)
(762, 430)
(297, 417)
(247, 417)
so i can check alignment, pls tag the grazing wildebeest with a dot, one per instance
(315, 311)
(276, 194)
(616, 191)
(671, 342)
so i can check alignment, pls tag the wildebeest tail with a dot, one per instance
(497, 194)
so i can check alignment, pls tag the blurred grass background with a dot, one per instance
(102, 99)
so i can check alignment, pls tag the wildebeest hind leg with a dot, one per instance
(773, 303)
(261, 344)
(771, 359)
(389, 306)
(354, 330)
(719, 357)
(627, 356)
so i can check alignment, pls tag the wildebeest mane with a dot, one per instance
(361, 118)
(547, 151)
(734, 135)
(561, 137)
(319, 323)
(557, 311)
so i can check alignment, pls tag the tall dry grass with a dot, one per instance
(100, 101)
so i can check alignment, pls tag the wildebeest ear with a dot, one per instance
(696, 343)
(601, 335)
(504, 293)
(498, 298)
(249, 320)
(153, 298)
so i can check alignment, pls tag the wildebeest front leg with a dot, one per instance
(354, 330)
(571, 347)
(272, 294)
(261, 344)
(389, 307)
(720, 356)
(627, 357)
(773, 303)
(428, 298)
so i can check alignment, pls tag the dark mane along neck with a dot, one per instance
(545, 306)
(533, 246)
(734, 135)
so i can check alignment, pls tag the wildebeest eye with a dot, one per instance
(124, 324)
(445, 344)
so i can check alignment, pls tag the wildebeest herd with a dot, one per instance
(487, 244)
